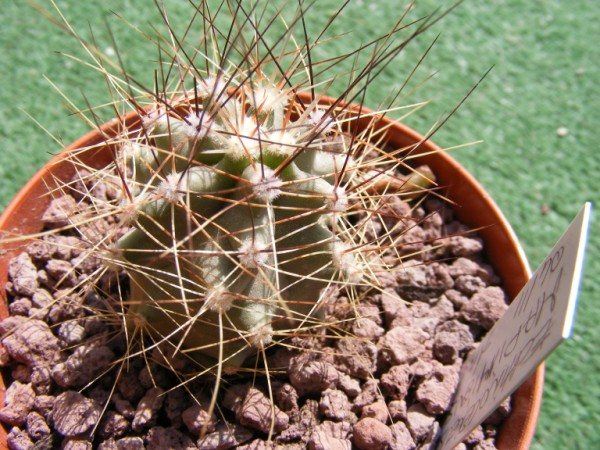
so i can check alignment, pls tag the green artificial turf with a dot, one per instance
(545, 77)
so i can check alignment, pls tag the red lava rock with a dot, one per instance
(126, 443)
(113, 425)
(469, 284)
(370, 393)
(451, 339)
(458, 299)
(37, 427)
(393, 306)
(312, 376)
(403, 344)
(59, 212)
(74, 414)
(196, 419)
(419, 421)
(349, 385)
(161, 438)
(129, 387)
(377, 410)
(465, 266)
(500, 413)
(396, 381)
(147, 409)
(225, 437)
(257, 412)
(334, 404)
(321, 441)
(397, 410)
(485, 307)
(356, 357)
(19, 400)
(435, 393)
(83, 365)
(364, 327)
(23, 274)
(401, 437)
(371, 434)
(18, 439)
(33, 343)
(439, 277)
(464, 246)
(287, 398)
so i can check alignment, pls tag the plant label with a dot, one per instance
(538, 319)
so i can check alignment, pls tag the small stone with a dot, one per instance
(396, 382)
(397, 410)
(196, 420)
(37, 427)
(485, 308)
(312, 376)
(351, 386)
(74, 414)
(20, 307)
(451, 339)
(371, 434)
(377, 410)
(74, 443)
(401, 437)
(113, 425)
(403, 344)
(147, 409)
(419, 421)
(160, 438)
(19, 400)
(23, 274)
(71, 332)
(334, 404)
(33, 343)
(227, 436)
(59, 212)
(436, 392)
(257, 412)
(356, 357)
(17, 439)
(287, 399)
(83, 365)
(130, 443)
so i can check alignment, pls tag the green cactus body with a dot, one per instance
(236, 227)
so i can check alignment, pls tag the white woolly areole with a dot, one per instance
(346, 262)
(322, 123)
(281, 142)
(219, 300)
(251, 254)
(265, 184)
(173, 187)
(261, 336)
(244, 140)
(211, 86)
(338, 202)
(196, 125)
(153, 118)
(266, 98)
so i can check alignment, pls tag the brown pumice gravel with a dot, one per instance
(381, 381)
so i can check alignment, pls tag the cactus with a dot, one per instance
(238, 215)
(244, 200)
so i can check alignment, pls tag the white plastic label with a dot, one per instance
(539, 319)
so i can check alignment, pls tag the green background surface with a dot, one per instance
(546, 77)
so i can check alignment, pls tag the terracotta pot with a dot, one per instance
(473, 206)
